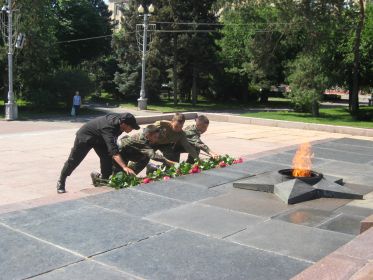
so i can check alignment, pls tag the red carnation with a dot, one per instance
(222, 164)
(146, 180)
(166, 178)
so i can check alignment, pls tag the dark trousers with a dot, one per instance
(79, 152)
(178, 149)
(138, 161)
(77, 108)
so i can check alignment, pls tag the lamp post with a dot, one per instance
(142, 101)
(11, 109)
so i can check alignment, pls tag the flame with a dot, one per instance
(302, 161)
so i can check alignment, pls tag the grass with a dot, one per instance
(335, 116)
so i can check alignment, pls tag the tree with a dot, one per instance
(79, 19)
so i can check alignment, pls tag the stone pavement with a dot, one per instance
(191, 228)
(196, 226)
(33, 153)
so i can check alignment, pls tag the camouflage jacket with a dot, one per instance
(139, 143)
(194, 138)
(168, 136)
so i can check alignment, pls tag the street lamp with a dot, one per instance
(142, 101)
(11, 109)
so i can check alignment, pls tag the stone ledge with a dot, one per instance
(152, 119)
(366, 224)
(351, 261)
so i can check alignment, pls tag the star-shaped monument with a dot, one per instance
(295, 190)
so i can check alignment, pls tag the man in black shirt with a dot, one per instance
(100, 134)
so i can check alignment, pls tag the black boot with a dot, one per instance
(61, 185)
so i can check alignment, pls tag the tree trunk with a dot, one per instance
(354, 95)
(174, 70)
(245, 90)
(195, 86)
(315, 109)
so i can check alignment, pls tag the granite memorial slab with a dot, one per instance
(133, 202)
(254, 203)
(86, 270)
(354, 142)
(355, 210)
(205, 179)
(305, 216)
(22, 256)
(179, 254)
(287, 158)
(364, 150)
(349, 224)
(342, 155)
(207, 220)
(93, 230)
(178, 190)
(42, 213)
(298, 241)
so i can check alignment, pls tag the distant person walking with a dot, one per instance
(77, 101)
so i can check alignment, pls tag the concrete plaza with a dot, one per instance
(192, 227)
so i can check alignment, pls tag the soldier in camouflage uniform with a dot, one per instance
(193, 134)
(138, 149)
(170, 134)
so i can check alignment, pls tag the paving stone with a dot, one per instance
(362, 189)
(184, 255)
(355, 142)
(364, 180)
(355, 210)
(327, 204)
(332, 267)
(365, 150)
(223, 172)
(43, 213)
(344, 223)
(208, 220)
(366, 273)
(366, 224)
(92, 230)
(287, 159)
(23, 256)
(205, 180)
(305, 216)
(179, 190)
(293, 240)
(251, 202)
(346, 169)
(342, 155)
(86, 270)
(360, 247)
(223, 188)
(133, 202)
(254, 167)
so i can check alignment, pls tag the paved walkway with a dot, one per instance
(33, 153)
(199, 226)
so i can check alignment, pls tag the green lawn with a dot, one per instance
(337, 116)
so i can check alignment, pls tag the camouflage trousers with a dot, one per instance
(136, 160)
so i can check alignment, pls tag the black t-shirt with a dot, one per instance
(102, 130)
